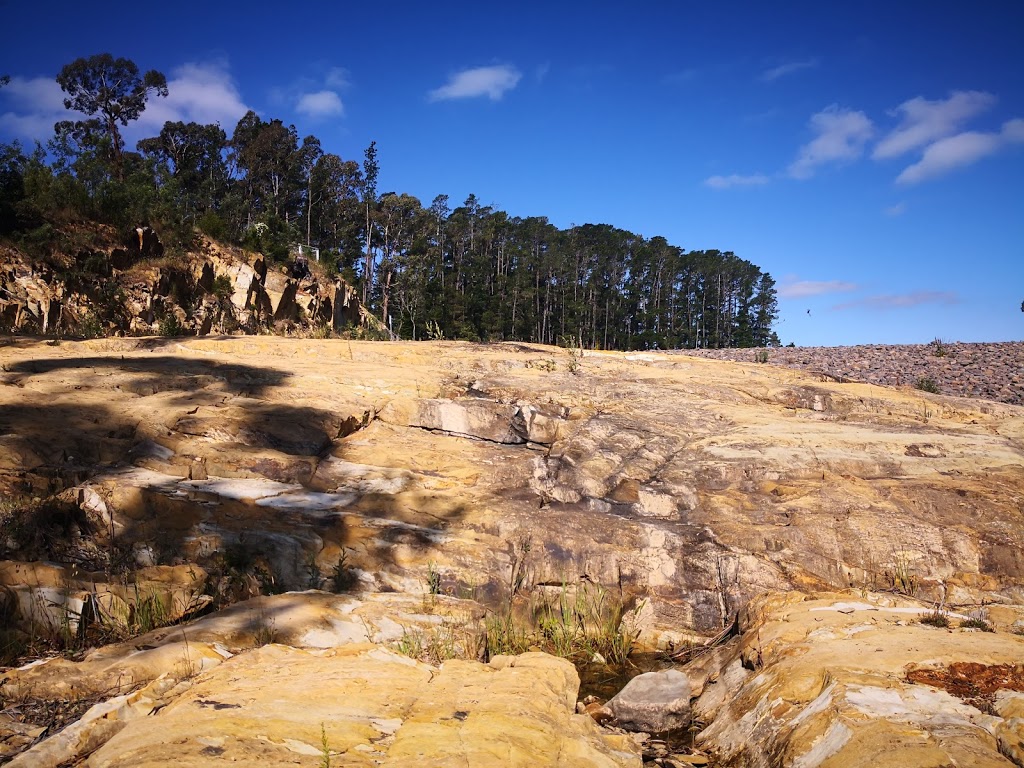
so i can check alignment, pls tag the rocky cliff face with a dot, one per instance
(684, 487)
(117, 286)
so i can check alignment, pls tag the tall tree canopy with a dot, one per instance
(112, 89)
(468, 271)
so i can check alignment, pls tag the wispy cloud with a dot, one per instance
(492, 82)
(735, 180)
(896, 210)
(842, 134)
(802, 288)
(681, 77)
(961, 150)
(925, 121)
(789, 68)
(901, 300)
(337, 78)
(320, 104)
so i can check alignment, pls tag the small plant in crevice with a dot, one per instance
(170, 326)
(902, 578)
(977, 622)
(263, 629)
(450, 640)
(581, 622)
(543, 365)
(935, 618)
(343, 577)
(325, 748)
(574, 346)
(313, 574)
(433, 579)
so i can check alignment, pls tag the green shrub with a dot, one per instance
(935, 618)
(976, 622)
(170, 326)
(223, 288)
(926, 384)
(90, 327)
(213, 226)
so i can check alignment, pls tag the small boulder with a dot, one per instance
(653, 702)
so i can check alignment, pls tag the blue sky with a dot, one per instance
(870, 156)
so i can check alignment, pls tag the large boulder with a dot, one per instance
(653, 702)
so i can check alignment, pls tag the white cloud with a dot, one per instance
(320, 104)
(926, 121)
(961, 150)
(36, 104)
(789, 68)
(842, 134)
(735, 180)
(492, 82)
(896, 210)
(803, 288)
(901, 300)
(196, 92)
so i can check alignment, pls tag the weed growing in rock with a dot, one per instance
(927, 384)
(325, 748)
(761, 356)
(344, 577)
(314, 576)
(976, 622)
(902, 578)
(935, 618)
(940, 348)
(148, 613)
(433, 579)
(448, 641)
(263, 630)
(580, 622)
(169, 326)
(574, 347)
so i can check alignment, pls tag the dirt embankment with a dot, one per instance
(989, 371)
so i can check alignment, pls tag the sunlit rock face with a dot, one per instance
(683, 484)
(190, 472)
(856, 680)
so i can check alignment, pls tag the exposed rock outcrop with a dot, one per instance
(412, 474)
(826, 680)
(129, 287)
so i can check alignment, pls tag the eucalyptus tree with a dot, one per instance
(189, 161)
(111, 92)
(370, 171)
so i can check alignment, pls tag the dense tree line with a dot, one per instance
(465, 272)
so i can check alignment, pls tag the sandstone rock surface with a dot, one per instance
(684, 488)
(824, 680)
(653, 702)
(691, 485)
